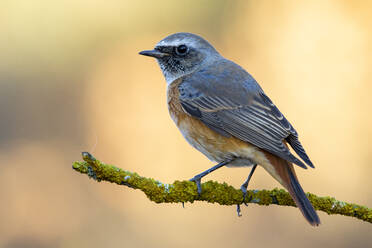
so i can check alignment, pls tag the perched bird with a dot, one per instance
(223, 112)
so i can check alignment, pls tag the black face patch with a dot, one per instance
(164, 49)
(178, 62)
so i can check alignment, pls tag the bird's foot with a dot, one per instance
(244, 190)
(197, 180)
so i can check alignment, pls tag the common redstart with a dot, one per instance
(223, 112)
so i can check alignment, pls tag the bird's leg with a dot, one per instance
(244, 186)
(197, 178)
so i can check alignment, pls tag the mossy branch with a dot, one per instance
(213, 192)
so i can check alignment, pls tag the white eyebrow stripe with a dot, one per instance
(176, 42)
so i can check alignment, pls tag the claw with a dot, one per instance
(198, 177)
(244, 190)
(197, 180)
(238, 210)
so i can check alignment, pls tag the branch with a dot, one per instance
(213, 192)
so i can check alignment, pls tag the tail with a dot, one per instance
(285, 174)
(300, 198)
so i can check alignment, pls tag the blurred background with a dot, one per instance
(71, 80)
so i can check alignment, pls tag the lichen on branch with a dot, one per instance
(213, 192)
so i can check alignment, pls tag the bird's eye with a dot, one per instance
(182, 50)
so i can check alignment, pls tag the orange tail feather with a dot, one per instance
(284, 172)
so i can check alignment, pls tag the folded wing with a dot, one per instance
(250, 116)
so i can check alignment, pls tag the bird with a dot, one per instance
(223, 112)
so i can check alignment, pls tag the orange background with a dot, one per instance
(71, 80)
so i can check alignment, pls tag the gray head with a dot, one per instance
(182, 53)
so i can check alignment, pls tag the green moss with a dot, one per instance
(213, 192)
(282, 197)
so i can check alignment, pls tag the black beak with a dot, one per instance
(154, 53)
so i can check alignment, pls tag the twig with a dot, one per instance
(213, 192)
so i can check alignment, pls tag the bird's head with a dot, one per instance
(181, 54)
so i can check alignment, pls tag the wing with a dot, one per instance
(241, 109)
